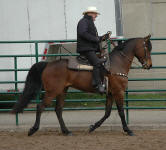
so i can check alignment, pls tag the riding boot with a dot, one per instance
(97, 82)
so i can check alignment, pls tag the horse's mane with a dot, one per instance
(122, 45)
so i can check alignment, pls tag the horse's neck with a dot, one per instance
(121, 60)
(128, 57)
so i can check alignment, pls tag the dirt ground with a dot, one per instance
(99, 140)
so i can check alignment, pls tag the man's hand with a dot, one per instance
(106, 36)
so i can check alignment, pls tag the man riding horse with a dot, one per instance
(88, 44)
(56, 77)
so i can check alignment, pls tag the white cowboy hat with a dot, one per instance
(91, 9)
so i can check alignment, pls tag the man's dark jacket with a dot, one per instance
(87, 36)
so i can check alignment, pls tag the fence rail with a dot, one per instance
(37, 100)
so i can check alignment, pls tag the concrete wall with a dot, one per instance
(141, 17)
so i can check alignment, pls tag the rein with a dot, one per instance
(131, 61)
(122, 53)
(145, 52)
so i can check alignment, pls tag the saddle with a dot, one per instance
(82, 63)
(79, 63)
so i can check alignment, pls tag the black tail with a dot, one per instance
(33, 85)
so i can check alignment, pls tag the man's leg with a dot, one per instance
(96, 63)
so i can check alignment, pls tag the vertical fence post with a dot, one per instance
(109, 46)
(16, 85)
(127, 110)
(37, 60)
(36, 51)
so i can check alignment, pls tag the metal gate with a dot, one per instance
(36, 43)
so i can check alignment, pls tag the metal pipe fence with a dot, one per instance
(37, 100)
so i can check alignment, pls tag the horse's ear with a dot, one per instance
(147, 38)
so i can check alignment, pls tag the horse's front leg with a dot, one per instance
(108, 108)
(119, 103)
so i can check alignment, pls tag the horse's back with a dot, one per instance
(55, 67)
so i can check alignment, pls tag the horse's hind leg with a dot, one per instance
(120, 108)
(109, 102)
(40, 107)
(58, 109)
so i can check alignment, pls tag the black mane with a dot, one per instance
(122, 45)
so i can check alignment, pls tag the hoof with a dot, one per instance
(32, 131)
(68, 133)
(130, 133)
(91, 128)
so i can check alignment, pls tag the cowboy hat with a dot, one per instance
(91, 9)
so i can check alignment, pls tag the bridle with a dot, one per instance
(144, 64)
(122, 53)
(146, 55)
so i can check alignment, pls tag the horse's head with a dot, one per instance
(143, 52)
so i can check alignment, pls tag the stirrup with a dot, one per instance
(100, 88)
(103, 60)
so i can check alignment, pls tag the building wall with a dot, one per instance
(141, 17)
(44, 20)
(51, 19)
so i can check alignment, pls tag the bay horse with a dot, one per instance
(56, 78)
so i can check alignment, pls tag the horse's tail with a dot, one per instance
(33, 85)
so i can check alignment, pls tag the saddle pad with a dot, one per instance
(74, 65)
